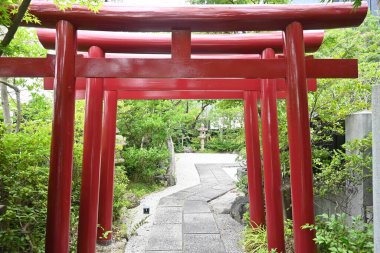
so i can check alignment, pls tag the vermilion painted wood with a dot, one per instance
(167, 68)
(180, 84)
(171, 84)
(181, 44)
(331, 68)
(271, 162)
(62, 141)
(174, 94)
(252, 142)
(27, 67)
(179, 94)
(89, 197)
(202, 18)
(107, 168)
(301, 173)
(209, 68)
(114, 42)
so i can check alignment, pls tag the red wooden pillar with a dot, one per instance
(299, 140)
(272, 166)
(255, 194)
(62, 141)
(107, 168)
(89, 197)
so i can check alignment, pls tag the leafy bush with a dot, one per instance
(333, 234)
(24, 165)
(144, 165)
(255, 239)
(223, 145)
(242, 184)
(347, 168)
(120, 187)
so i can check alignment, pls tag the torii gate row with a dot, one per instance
(131, 88)
(295, 68)
(191, 89)
(169, 89)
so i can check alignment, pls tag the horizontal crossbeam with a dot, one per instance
(201, 18)
(168, 68)
(150, 84)
(210, 68)
(116, 42)
(174, 94)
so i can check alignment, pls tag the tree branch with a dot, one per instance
(13, 87)
(15, 25)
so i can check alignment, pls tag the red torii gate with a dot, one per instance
(295, 68)
(125, 90)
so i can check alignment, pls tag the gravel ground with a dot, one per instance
(187, 176)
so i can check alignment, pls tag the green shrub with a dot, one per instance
(144, 165)
(120, 188)
(242, 184)
(255, 239)
(229, 143)
(24, 165)
(334, 234)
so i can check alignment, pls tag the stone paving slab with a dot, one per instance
(165, 237)
(199, 223)
(168, 215)
(162, 251)
(192, 206)
(182, 194)
(168, 201)
(184, 222)
(212, 194)
(203, 243)
(198, 198)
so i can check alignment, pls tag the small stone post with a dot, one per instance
(376, 164)
(202, 136)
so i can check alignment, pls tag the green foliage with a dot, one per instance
(334, 235)
(228, 143)
(242, 184)
(141, 189)
(148, 123)
(93, 5)
(255, 238)
(23, 184)
(144, 165)
(348, 168)
(120, 185)
(24, 166)
(227, 116)
(25, 44)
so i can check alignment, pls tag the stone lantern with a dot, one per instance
(202, 135)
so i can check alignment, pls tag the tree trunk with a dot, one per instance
(19, 116)
(5, 104)
(4, 96)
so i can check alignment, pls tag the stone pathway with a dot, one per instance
(184, 223)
